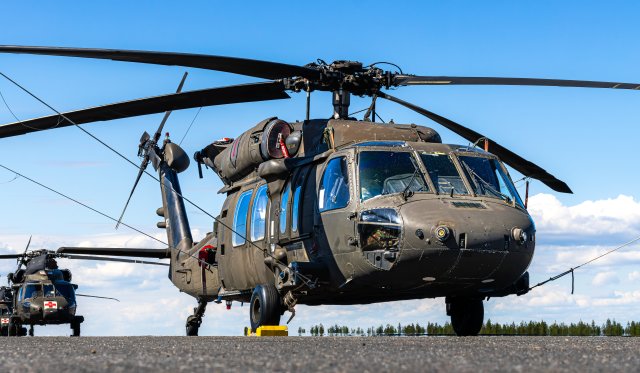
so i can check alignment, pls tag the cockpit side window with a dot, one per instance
(259, 214)
(384, 172)
(240, 219)
(487, 178)
(443, 173)
(334, 186)
(66, 290)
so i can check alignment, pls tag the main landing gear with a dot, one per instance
(467, 315)
(75, 326)
(194, 321)
(16, 329)
(265, 307)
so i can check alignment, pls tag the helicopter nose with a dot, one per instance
(453, 240)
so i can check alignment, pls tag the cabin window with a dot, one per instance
(295, 208)
(284, 203)
(387, 173)
(240, 219)
(334, 186)
(259, 214)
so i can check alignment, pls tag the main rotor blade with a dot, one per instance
(25, 253)
(95, 296)
(256, 68)
(522, 165)
(107, 259)
(11, 256)
(145, 160)
(117, 251)
(458, 80)
(151, 105)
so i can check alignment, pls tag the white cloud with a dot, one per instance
(620, 298)
(602, 219)
(552, 297)
(635, 275)
(605, 278)
(575, 256)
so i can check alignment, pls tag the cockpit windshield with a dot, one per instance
(443, 173)
(487, 178)
(383, 172)
(59, 290)
(32, 291)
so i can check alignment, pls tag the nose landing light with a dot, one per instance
(519, 235)
(443, 233)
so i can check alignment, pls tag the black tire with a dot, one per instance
(467, 317)
(75, 329)
(22, 331)
(13, 329)
(192, 326)
(265, 307)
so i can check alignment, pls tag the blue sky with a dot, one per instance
(586, 137)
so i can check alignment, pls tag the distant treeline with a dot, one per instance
(541, 328)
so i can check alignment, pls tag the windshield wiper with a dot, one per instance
(406, 193)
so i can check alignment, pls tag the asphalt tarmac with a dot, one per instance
(319, 354)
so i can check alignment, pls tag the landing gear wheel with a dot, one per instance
(13, 329)
(194, 321)
(75, 328)
(467, 316)
(192, 326)
(265, 307)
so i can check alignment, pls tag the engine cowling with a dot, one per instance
(234, 161)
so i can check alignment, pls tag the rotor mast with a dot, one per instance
(341, 101)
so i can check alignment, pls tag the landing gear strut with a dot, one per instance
(467, 316)
(194, 321)
(31, 331)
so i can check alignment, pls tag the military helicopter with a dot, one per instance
(44, 293)
(336, 210)
(6, 308)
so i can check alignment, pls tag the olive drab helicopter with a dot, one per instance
(43, 294)
(6, 308)
(336, 210)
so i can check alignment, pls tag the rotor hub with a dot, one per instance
(348, 76)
